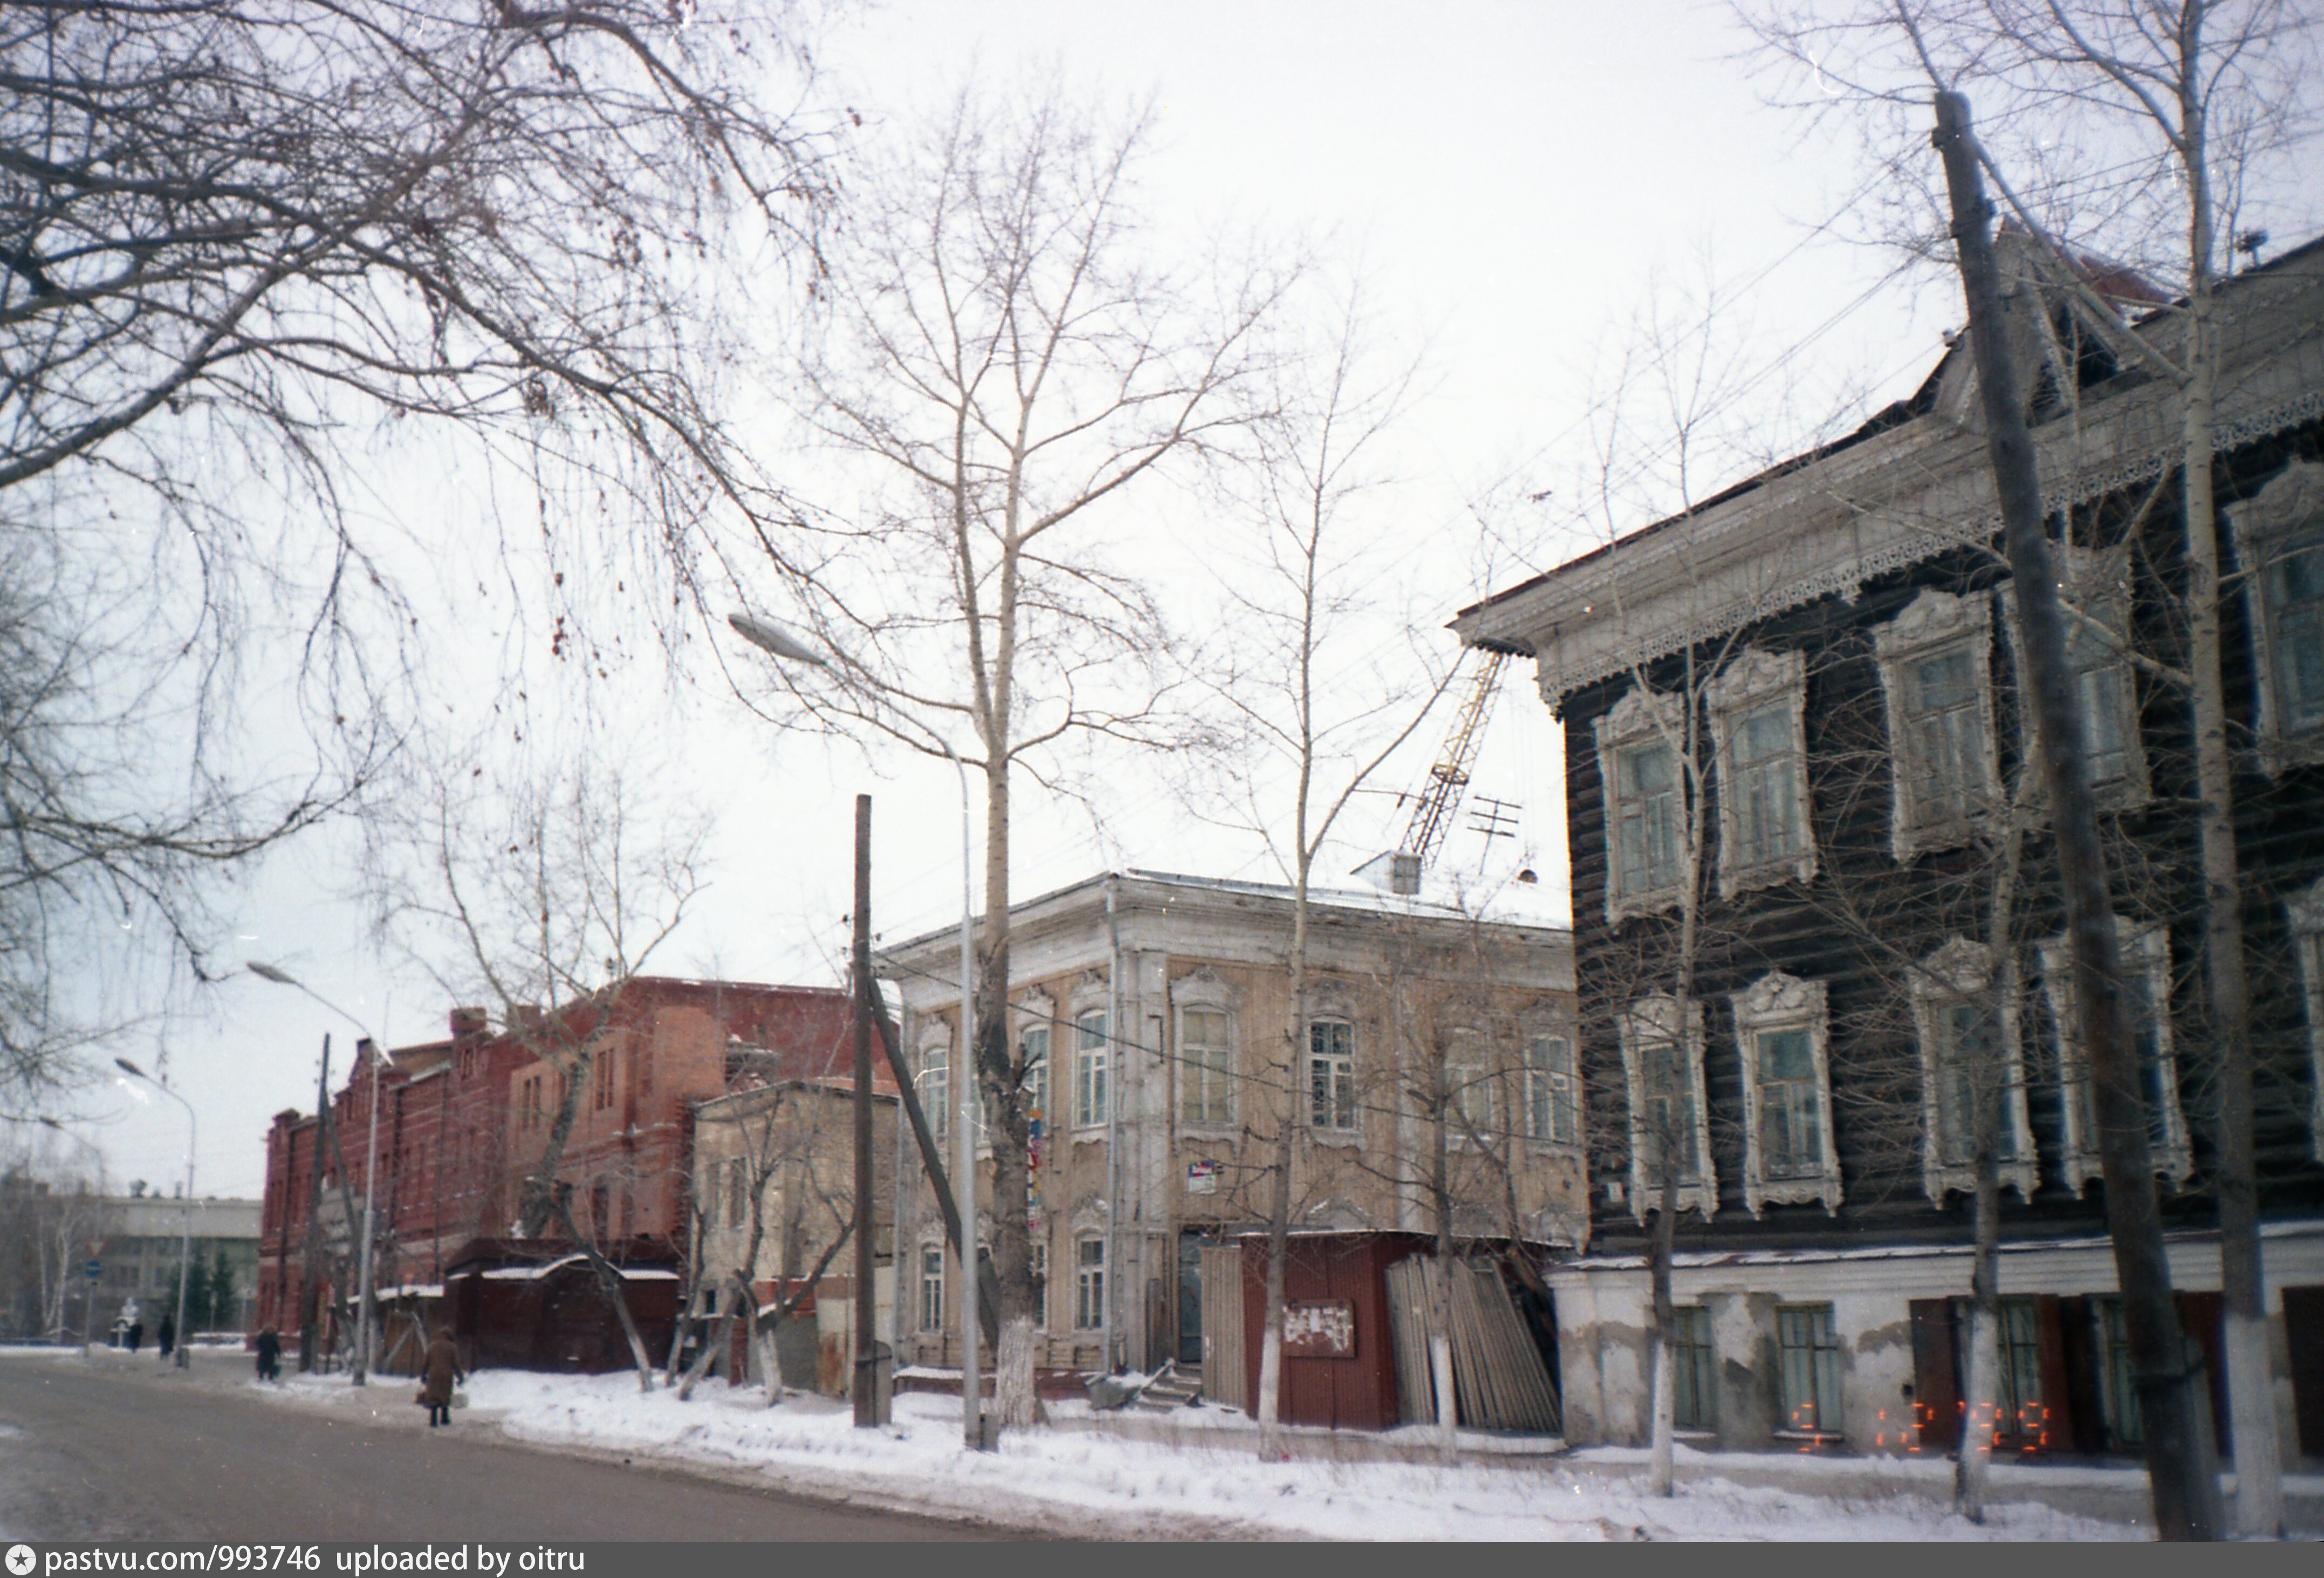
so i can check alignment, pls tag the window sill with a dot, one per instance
(1812, 1437)
(1228, 1130)
(1351, 1137)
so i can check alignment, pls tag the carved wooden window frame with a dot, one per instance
(1961, 971)
(2305, 911)
(2288, 512)
(2147, 949)
(1641, 717)
(1777, 1001)
(1930, 623)
(2097, 584)
(1654, 1021)
(1756, 680)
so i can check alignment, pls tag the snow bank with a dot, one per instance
(1075, 1479)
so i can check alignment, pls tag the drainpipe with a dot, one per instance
(1113, 1170)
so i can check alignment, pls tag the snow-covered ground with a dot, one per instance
(1083, 1480)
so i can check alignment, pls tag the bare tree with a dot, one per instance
(2147, 132)
(548, 899)
(783, 1153)
(1295, 632)
(243, 250)
(1010, 365)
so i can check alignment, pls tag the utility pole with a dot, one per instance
(867, 1409)
(2182, 1458)
(308, 1316)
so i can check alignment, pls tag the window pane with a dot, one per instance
(1647, 797)
(2298, 587)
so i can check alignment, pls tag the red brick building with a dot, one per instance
(463, 1121)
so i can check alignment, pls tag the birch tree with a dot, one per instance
(1012, 365)
(1299, 622)
(2149, 131)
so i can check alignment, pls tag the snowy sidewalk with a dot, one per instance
(1081, 1479)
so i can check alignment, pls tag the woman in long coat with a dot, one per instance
(437, 1377)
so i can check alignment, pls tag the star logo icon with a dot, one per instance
(20, 1560)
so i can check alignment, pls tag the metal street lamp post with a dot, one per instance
(783, 645)
(364, 1300)
(88, 1294)
(185, 1241)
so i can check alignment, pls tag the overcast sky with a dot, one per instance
(1510, 174)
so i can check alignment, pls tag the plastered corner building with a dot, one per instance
(1820, 662)
(1154, 1014)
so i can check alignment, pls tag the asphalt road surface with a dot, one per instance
(110, 1453)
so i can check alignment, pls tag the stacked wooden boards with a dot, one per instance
(1499, 1379)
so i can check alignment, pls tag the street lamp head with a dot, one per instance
(52, 1123)
(269, 973)
(774, 640)
(129, 1068)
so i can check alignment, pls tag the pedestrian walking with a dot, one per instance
(137, 1336)
(167, 1334)
(439, 1374)
(270, 1355)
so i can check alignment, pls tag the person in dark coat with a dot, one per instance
(137, 1336)
(167, 1334)
(437, 1377)
(270, 1355)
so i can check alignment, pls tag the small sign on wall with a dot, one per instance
(1320, 1329)
(1202, 1178)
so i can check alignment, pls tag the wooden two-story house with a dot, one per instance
(1802, 697)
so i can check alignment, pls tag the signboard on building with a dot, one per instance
(1202, 1178)
(93, 1271)
(1320, 1329)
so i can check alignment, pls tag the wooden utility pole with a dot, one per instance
(309, 1315)
(2182, 1458)
(867, 1408)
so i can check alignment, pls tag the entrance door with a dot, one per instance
(1191, 1246)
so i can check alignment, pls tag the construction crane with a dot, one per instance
(1432, 816)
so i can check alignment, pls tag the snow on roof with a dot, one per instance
(534, 1273)
(1700, 1259)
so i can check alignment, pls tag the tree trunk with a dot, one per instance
(609, 1286)
(708, 1351)
(1278, 1249)
(770, 1355)
(1660, 1468)
(1440, 1346)
(2251, 1403)
(1980, 1419)
(2181, 1467)
(1014, 1394)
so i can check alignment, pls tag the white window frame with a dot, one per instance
(2305, 910)
(1340, 1063)
(1755, 681)
(1772, 1003)
(2145, 949)
(1653, 1021)
(932, 1077)
(2096, 586)
(2288, 512)
(1208, 993)
(933, 1275)
(1093, 1068)
(1961, 971)
(1089, 1283)
(1642, 717)
(1553, 1086)
(1930, 623)
(1036, 1016)
(1469, 1081)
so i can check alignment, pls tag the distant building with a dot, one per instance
(464, 1121)
(1154, 1015)
(49, 1237)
